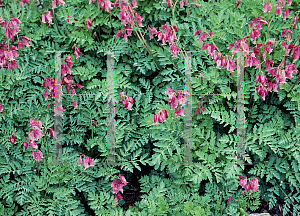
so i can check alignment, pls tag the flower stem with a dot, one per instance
(176, 120)
(145, 45)
(22, 151)
(37, 12)
(239, 200)
(55, 21)
(271, 98)
(37, 166)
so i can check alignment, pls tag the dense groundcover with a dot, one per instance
(149, 153)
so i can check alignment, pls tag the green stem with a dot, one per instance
(239, 200)
(176, 120)
(46, 139)
(37, 166)
(22, 151)
(268, 21)
(99, 25)
(145, 45)
(37, 12)
(191, 115)
(271, 98)
(223, 204)
(55, 21)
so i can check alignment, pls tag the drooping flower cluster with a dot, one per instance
(87, 161)
(8, 55)
(127, 15)
(278, 10)
(49, 84)
(166, 34)
(118, 186)
(162, 115)
(221, 61)
(34, 135)
(48, 16)
(88, 24)
(251, 187)
(126, 101)
(181, 3)
(198, 108)
(237, 3)
(255, 31)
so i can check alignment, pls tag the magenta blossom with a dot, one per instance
(117, 185)
(25, 144)
(48, 18)
(33, 145)
(88, 24)
(37, 155)
(52, 133)
(76, 51)
(87, 161)
(237, 3)
(1, 108)
(230, 197)
(12, 138)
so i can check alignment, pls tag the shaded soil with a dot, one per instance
(277, 210)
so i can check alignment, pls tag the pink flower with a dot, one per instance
(25, 144)
(75, 104)
(60, 2)
(88, 24)
(80, 160)
(52, 133)
(87, 161)
(76, 51)
(94, 35)
(33, 145)
(12, 138)
(294, 22)
(1, 108)
(267, 7)
(37, 155)
(118, 185)
(286, 13)
(237, 3)
(134, 4)
(35, 125)
(118, 197)
(94, 123)
(230, 197)
(278, 11)
(48, 18)
(78, 85)
(123, 180)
